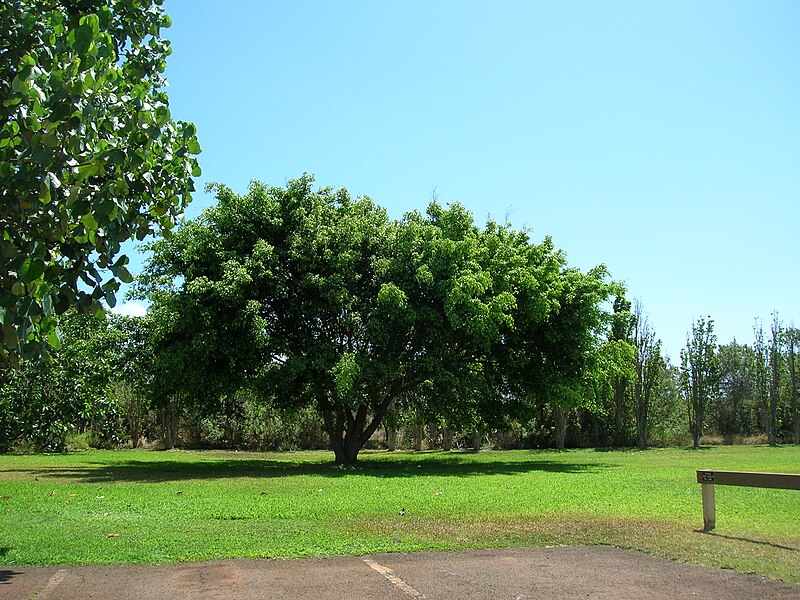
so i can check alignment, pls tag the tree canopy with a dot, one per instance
(323, 300)
(89, 156)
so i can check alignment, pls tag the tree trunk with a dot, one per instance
(774, 384)
(793, 384)
(169, 429)
(391, 439)
(477, 440)
(641, 430)
(562, 415)
(135, 424)
(771, 438)
(349, 431)
(598, 432)
(696, 428)
(419, 434)
(641, 403)
(169, 417)
(619, 398)
(447, 439)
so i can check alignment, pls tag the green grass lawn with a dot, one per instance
(156, 507)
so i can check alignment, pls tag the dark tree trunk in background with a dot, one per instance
(793, 392)
(170, 418)
(447, 439)
(349, 431)
(419, 434)
(477, 440)
(619, 399)
(562, 417)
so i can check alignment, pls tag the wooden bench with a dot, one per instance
(709, 479)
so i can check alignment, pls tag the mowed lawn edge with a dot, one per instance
(129, 506)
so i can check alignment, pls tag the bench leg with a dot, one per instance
(709, 517)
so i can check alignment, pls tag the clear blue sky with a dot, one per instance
(659, 138)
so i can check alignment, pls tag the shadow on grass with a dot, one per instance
(451, 465)
(749, 541)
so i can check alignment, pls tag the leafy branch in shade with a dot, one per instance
(89, 157)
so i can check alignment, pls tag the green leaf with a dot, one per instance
(81, 39)
(9, 336)
(91, 21)
(31, 270)
(89, 222)
(47, 305)
(110, 286)
(50, 140)
(42, 155)
(52, 181)
(8, 249)
(44, 193)
(124, 275)
(90, 170)
(193, 146)
(162, 114)
(18, 289)
(20, 85)
(116, 157)
(54, 339)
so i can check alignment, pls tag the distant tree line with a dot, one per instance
(294, 318)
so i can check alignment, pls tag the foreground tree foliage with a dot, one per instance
(317, 299)
(89, 157)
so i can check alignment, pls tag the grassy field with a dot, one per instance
(157, 507)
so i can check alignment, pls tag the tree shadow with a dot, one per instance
(383, 466)
(749, 541)
(6, 575)
(621, 449)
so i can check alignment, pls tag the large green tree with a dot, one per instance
(322, 300)
(89, 156)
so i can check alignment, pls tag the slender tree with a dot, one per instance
(792, 337)
(774, 395)
(762, 377)
(699, 373)
(732, 413)
(648, 368)
(622, 329)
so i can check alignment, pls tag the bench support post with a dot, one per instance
(709, 516)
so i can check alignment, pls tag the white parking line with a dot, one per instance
(51, 584)
(394, 579)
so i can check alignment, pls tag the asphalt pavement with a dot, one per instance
(597, 573)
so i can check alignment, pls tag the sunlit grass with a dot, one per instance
(150, 507)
